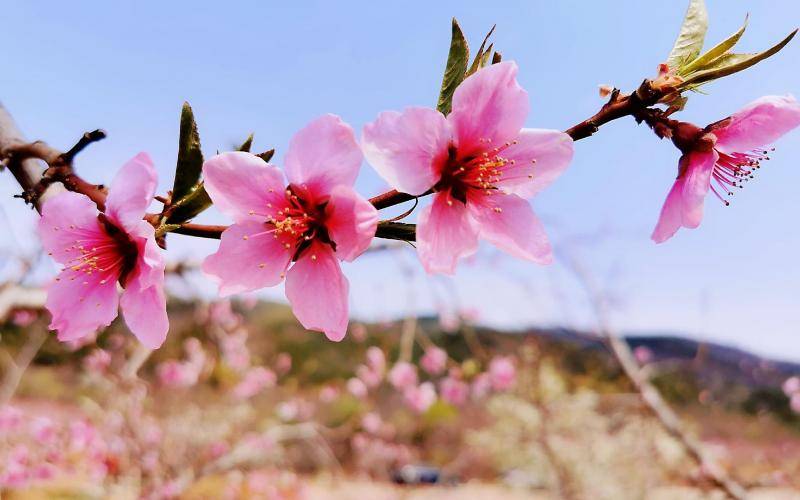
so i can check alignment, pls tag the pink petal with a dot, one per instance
(317, 291)
(696, 186)
(671, 216)
(408, 149)
(80, 304)
(68, 218)
(445, 233)
(488, 105)
(132, 191)
(150, 260)
(539, 156)
(684, 204)
(145, 312)
(351, 222)
(508, 222)
(242, 186)
(759, 124)
(323, 154)
(249, 257)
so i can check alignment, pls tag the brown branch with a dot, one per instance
(652, 399)
(17, 155)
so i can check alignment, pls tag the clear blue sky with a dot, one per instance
(271, 67)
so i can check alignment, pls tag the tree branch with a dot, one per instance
(20, 158)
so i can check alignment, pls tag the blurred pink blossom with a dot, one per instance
(454, 391)
(10, 418)
(23, 317)
(97, 361)
(791, 386)
(376, 360)
(359, 332)
(794, 402)
(449, 321)
(255, 380)
(643, 354)
(328, 394)
(372, 423)
(434, 360)
(420, 398)
(367, 375)
(502, 373)
(283, 363)
(403, 375)
(481, 385)
(234, 349)
(357, 388)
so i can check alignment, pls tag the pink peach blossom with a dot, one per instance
(434, 361)
(791, 386)
(403, 375)
(794, 402)
(726, 156)
(481, 164)
(97, 361)
(372, 423)
(99, 250)
(376, 360)
(357, 388)
(255, 380)
(315, 221)
(454, 390)
(370, 377)
(283, 363)
(481, 386)
(502, 373)
(328, 394)
(420, 398)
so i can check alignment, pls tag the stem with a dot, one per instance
(20, 158)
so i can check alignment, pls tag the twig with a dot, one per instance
(24, 358)
(649, 394)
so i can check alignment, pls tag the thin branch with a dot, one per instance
(647, 391)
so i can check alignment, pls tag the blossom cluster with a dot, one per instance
(297, 224)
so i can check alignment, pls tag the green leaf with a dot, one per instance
(246, 145)
(481, 56)
(266, 155)
(729, 64)
(190, 158)
(455, 71)
(690, 39)
(190, 205)
(718, 50)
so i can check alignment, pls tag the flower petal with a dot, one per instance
(684, 204)
(408, 149)
(249, 257)
(243, 186)
(317, 291)
(539, 157)
(445, 233)
(132, 191)
(759, 124)
(508, 222)
(145, 312)
(671, 216)
(488, 105)
(67, 219)
(150, 260)
(323, 154)
(351, 222)
(696, 186)
(81, 303)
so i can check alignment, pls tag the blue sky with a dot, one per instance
(269, 68)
